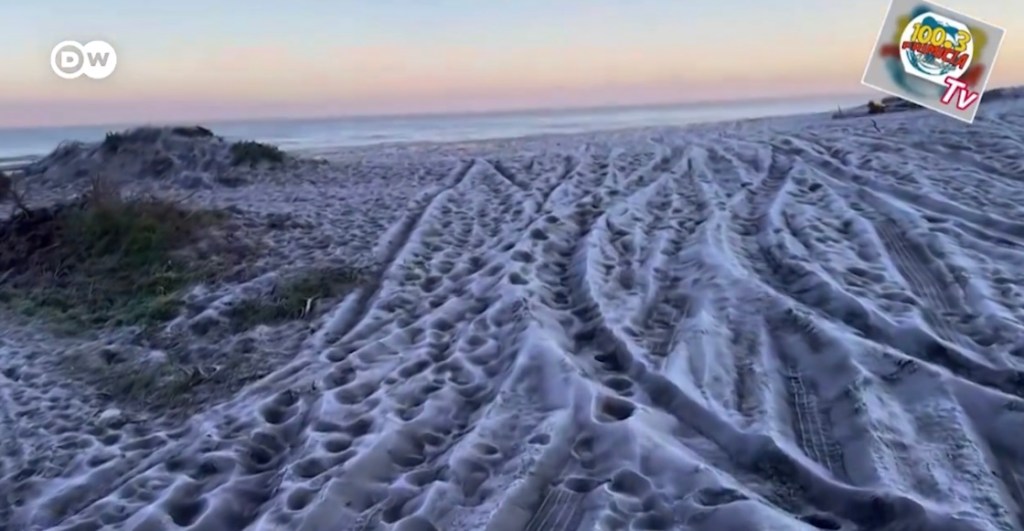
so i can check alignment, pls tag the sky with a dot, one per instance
(227, 59)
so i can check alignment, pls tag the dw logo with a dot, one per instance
(94, 59)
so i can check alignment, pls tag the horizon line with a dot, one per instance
(436, 114)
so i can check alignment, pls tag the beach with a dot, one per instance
(792, 323)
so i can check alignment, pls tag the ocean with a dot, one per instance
(18, 145)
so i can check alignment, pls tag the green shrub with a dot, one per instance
(102, 260)
(195, 131)
(252, 153)
(113, 141)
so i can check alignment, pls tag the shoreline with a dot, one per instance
(425, 119)
(17, 163)
(15, 160)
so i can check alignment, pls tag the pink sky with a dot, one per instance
(312, 66)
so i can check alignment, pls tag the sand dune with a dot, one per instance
(802, 324)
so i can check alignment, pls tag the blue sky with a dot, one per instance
(215, 59)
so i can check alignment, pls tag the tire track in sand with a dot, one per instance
(605, 356)
(396, 241)
(573, 475)
(507, 174)
(794, 340)
(914, 341)
(553, 493)
(680, 208)
(769, 256)
(914, 261)
(748, 218)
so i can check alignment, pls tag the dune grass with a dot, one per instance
(166, 385)
(253, 153)
(113, 141)
(297, 297)
(195, 131)
(103, 259)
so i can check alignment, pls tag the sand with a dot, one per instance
(784, 324)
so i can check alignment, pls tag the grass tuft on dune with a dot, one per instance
(297, 297)
(253, 153)
(104, 259)
(167, 301)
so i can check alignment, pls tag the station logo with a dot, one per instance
(933, 56)
(94, 59)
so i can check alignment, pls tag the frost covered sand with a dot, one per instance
(782, 324)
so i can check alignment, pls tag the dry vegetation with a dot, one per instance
(104, 259)
(297, 297)
(118, 267)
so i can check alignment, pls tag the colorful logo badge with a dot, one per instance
(933, 56)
